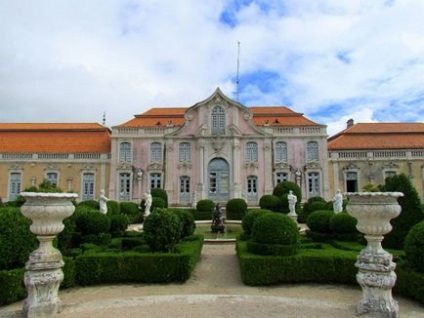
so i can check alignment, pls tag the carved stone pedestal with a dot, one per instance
(375, 266)
(44, 267)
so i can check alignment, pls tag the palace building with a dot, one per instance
(75, 157)
(367, 153)
(217, 149)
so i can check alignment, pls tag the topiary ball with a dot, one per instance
(119, 223)
(249, 219)
(187, 220)
(319, 221)
(414, 246)
(275, 228)
(205, 205)
(160, 193)
(343, 223)
(270, 202)
(157, 203)
(162, 230)
(236, 209)
(92, 222)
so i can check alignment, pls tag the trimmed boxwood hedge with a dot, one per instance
(12, 286)
(307, 266)
(133, 267)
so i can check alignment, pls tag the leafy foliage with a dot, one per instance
(162, 230)
(187, 220)
(343, 223)
(414, 246)
(205, 205)
(92, 222)
(270, 202)
(160, 193)
(319, 221)
(411, 211)
(285, 187)
(16, 240)
(249, 219)
(236, 209)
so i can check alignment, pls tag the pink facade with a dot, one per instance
(217, 149)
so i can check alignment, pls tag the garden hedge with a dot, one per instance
(133, 267)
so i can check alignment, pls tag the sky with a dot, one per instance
(333, 60)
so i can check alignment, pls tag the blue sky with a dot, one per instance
(73, 60)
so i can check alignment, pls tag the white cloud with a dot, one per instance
(334, 59)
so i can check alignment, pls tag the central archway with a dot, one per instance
(218, 180)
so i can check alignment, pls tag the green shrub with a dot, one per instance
(236, 209)
(274, 234)
(119, 223)
(282, 190)
(134, 267)
(92, 222)
(162, 230)
(113, 207)
(129, 208)
(249, 219)
(323, 266)
(93, 204)
(270, 202)
(319, 221)
(16, 240)
(205, 205)
(12, 286)
(411, 211)
(160, 193)
(414, 246)
(187, 220)
(343, 223)
(157, 203)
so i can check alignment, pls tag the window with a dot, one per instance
(212, 182)
(155, 180)
(184, 188)
(312, 150)
(52, 178)
(281, 177)
(14, 185)
(389, 174)
(185, 150)
(281, 152)
(252, 188)
(351, 181)
(125, 152)
(156, 152)
(251, 152)
(125, 186)
(218, 121)
(313, 184)
(88, 186)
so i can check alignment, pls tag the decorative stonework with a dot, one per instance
(44, 267)
(124, 166)
(376, 275)
(217, 144)
(155, 166)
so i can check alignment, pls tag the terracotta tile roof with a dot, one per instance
(262, 115)
(363, 136)
(54, 138)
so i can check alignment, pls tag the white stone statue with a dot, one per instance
(338, 202)
(292, 203)
(102, 202)
(148, 204)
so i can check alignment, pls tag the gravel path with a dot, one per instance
(215, 290)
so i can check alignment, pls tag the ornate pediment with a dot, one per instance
(252, 168)
(52, 166)
(155, 166)
(281, 165)
(15, 166)
(124, 166)
(390, 165)
(351, 166)
(313, 165)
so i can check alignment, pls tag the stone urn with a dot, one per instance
(44, 267)
(376, 275)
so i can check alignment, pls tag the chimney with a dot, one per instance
(349, 123)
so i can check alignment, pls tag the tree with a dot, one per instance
(411, 210)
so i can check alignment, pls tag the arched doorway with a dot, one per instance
(218, 180)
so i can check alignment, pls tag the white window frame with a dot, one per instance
(88, 186)
(184, 152)
(218, 120)
(312, 149)
(281, 176)
(252, 188)
(15, 184)
(155, 180)
(280, 151)
(53, 181)
(125, 186)
(125, 152)
(156, 152)
(251, 152)
(314, 184)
